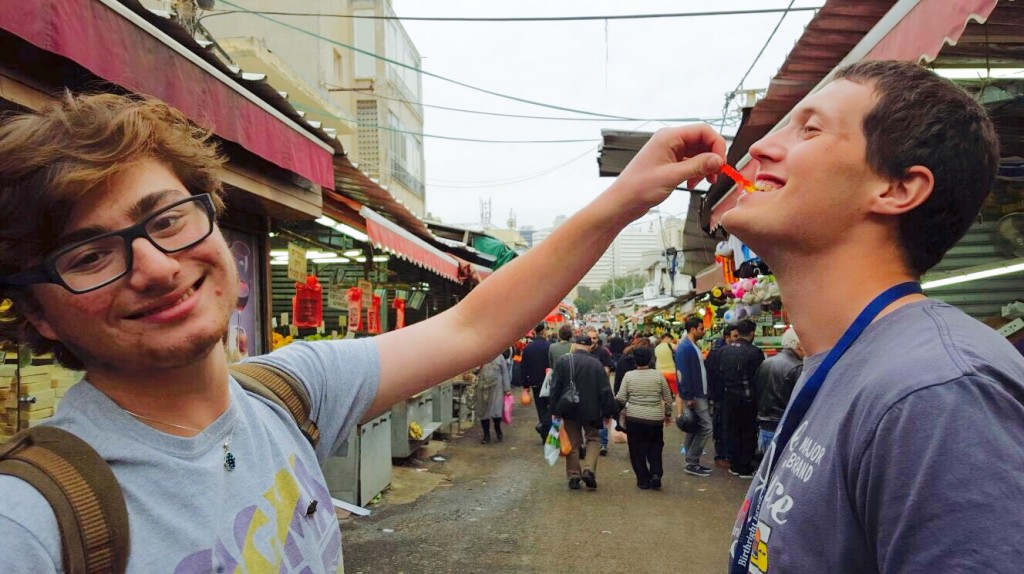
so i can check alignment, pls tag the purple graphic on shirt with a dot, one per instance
(310, 543)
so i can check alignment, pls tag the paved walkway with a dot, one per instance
(500, 508)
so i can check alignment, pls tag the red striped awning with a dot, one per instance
(389, 237)
(116, 44)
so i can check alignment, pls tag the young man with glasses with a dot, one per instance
(112, 260)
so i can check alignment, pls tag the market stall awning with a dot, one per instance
(112, 41)
(844, 32)
(388, 236)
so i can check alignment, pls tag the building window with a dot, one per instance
(365, 40)
(339, 69)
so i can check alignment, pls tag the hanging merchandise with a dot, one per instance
(373, 316)
(399, 307)
(308, 303)
(724, 259)
(355, 309)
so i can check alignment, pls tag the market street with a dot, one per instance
(500, 508)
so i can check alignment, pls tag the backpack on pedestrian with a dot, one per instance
(84, 493)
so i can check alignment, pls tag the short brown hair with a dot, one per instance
(52, 159)
(924, 119)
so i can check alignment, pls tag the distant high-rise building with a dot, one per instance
(625, 255)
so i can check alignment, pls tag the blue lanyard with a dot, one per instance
(798, 408)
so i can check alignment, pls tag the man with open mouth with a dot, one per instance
(902, 447)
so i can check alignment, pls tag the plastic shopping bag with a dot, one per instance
(563, 439)
(545, 387)
(552, 445)
(526, 398)
(506, 410)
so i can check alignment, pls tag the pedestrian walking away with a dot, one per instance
(582, 398)
(111, 259)
(493, 384)
(902, 446)
(534, 367)
(647, 401)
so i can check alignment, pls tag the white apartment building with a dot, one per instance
(373, 105)
(624, 257)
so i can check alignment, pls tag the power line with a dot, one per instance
(732, 95)
(512, 19)
(435, 136)
(424, 72)
(511, 181)
(564, 119)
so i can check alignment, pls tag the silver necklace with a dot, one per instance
(229, 458)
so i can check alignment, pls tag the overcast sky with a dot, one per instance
(648, 68)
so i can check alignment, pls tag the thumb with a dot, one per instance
(696, 168)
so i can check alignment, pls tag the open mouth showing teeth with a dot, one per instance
(184, 297)
(766, 186)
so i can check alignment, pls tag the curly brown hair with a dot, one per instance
(51, 159)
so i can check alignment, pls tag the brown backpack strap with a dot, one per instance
(83, 492)
(278, 386)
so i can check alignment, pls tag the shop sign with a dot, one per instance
(367, 288)
(296, 263)
(336, 296)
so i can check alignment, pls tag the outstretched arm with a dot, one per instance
(485, 321)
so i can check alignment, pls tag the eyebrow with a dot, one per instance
(137, 211)
(808, 112)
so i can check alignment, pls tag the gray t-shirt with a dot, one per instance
(910, 459)
(188, 513)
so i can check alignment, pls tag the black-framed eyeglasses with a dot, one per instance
(99, 261)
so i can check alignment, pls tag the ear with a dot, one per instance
(43, 326)
(34, 315)
(907, 193)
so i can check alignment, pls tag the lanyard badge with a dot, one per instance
(798, 408)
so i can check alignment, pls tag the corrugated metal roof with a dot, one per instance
(356, 185)
(979, 299)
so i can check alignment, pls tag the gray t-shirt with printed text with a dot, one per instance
(910, 459)
(187, 513)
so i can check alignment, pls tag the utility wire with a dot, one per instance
(520, 179)
(424, 72)
(511, 19)
(732, 95)
(313, 111)
(552, 118)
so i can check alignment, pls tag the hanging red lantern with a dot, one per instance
(399, 306)
(373, 316)
(355, 308)
(308, 303)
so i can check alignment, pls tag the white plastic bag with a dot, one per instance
(545, 388)
(553, 446)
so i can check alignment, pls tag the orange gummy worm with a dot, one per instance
(739, 179)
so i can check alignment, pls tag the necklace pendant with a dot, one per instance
(229, 461)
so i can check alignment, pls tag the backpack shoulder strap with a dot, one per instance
(278, 386)
(83, 492)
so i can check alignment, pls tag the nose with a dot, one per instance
(151, 268)
(769, 148)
